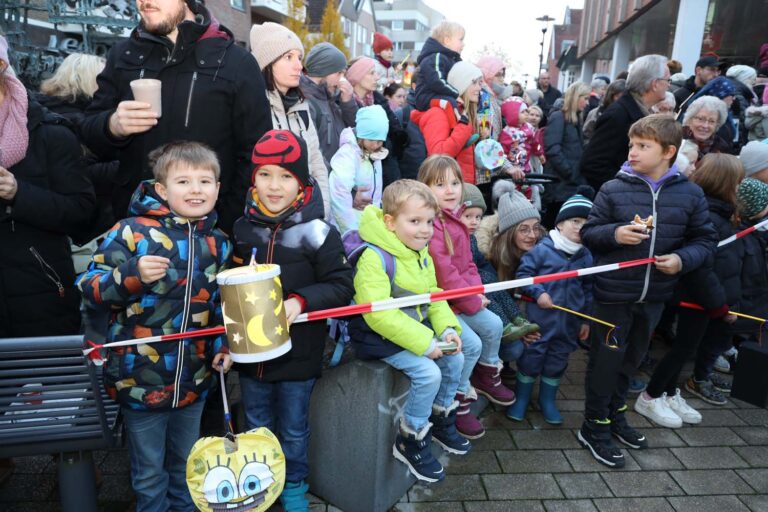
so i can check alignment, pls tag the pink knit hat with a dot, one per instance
(490, 65)
(359, 69)
(4, 50)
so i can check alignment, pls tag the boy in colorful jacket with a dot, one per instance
(156, 271)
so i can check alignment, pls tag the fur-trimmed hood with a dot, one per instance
(488, 229)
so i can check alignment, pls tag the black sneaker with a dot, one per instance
(622, 431)
(720, 383)
(705, 390)
(595, 436)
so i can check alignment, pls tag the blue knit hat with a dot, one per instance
(578, 205)
(371, 123)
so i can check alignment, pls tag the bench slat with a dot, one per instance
(37, 362)
(15, 390)
(57, 370)
(46, 423)
(51, 405)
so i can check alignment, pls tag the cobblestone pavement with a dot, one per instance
(720, 465)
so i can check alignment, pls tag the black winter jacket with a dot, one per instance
(37, 292)
(312, 266)
(213, 92)
(435, 61)
(607, 149)
(681, 226)
(754, 278)
(684, 94)
(416, 150)
(563, 148)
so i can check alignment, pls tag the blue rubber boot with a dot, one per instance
(293, 497)
(547, 395)
(523, 390)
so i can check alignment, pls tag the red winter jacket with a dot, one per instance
(443, 134)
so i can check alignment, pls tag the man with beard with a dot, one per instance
(331, 104)
(212, 92)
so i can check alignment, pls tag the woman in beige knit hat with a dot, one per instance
(279, 53)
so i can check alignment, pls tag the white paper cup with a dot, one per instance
(149, 90)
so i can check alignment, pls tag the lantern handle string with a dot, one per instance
(227, 415)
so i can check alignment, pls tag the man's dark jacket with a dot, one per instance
(213, 92)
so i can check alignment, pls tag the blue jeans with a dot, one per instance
(282, 407)
(433, 381)
(486, 327)
(159, 443)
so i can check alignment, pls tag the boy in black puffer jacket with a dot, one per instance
(680, 236)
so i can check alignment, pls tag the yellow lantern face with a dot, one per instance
(247, 474)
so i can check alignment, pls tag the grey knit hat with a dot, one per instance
(473, 198)
(324, 59)
(514, 208)
(269, 41)
(754, 157)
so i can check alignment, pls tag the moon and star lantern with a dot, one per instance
(244, 473)
(254, 317)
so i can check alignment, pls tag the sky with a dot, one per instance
(510, 24)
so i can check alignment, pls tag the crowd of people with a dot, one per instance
(116, 218)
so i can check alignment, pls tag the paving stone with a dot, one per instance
(43, 506)
(709, 436)
(582, 461)
(532, 486)
(569, 506)
(442, 506)
(116, 462)
(453, 488)
(662, 437)
(29, 489)
(699, 404)
(644, 483)
(504, 506)
(719, 457)
(117, 488)
(583, 485)
(493, 440)
(571, 420)
(756, 456)
(633, 505)
(757, 478)
(754, 417)
(35, 464)
(720, 418)
(473, 463)
(547, 439)
(497, 420)
(756, 503)
(704, 482)
(656, 459)
(741, 404)
(573, 391)
(637, 420)
(533, 461)
(707, 504)
(752, 435)
(571, 405)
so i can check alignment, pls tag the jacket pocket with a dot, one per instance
(48, 271)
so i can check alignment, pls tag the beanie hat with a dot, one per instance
(381, 43)
(511, 108)
(462, 74)
(742, 73)
(271, 40)
(489, 65)
(514, 208)
(578, 205)
(324, 59)
(473, 198)
(4, 50)
(754, 157)
(359, 69)
(284, 149)
(752, 197)
(371, 123)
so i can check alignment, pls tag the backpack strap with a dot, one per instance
(387, 261)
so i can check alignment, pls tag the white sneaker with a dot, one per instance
(722, 365)
(657, 410)
(687, 413)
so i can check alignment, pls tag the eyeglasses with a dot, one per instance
(528, 230)
(705, 121)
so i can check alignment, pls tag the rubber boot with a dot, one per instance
(293, 497)
(547, 395)
(529, 327)
(486, 380)
(523, 391)
(467, 423)
(444, 430)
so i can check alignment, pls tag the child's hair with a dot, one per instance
(505, 255)
(399, 192)
(392, 89)
(660, 128)
(446, 29)
(571, 101)
(194, 154)
(435, 169)
(719, 176)
(537, 109)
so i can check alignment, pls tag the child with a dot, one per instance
(562, 251)
(356, 175)
(518, 138)
(284, 224)
(408, 337)
(481, 329)
(440, 52)
(633, 298)
(157, 272)
(383, 52)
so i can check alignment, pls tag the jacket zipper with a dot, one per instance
(141, 74)
(647, 282)
(185, 313)
(48, 270)
(268, 260)
(189, 98)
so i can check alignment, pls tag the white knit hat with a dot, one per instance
(754, 157)
(462, 74)
(269, 41)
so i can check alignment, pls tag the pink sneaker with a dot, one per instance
(467, 423)
(486, 380)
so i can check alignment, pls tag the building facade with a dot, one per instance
(358, 20)
(563, 39)
(408, 23)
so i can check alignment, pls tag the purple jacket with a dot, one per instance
(455, 270)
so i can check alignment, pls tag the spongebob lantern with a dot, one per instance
(254, 318)
(246, 473)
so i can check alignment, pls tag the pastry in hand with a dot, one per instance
(646, 223)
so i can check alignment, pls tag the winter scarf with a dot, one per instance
(387, 64)
(563, 244)
(14, 137)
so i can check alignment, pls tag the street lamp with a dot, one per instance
(544, 19)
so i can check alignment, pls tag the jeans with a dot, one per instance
(282, 407)
(487, 328)
(471, 348)
(159, 443)
(634, 322)
(432, 382)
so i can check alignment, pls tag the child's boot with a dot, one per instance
(523, 391)
(486, 380)
(530, 328)
(293, 498)
(414, 449)
(547, 395)
(513, 332)
(444, 430)
(467, 423)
